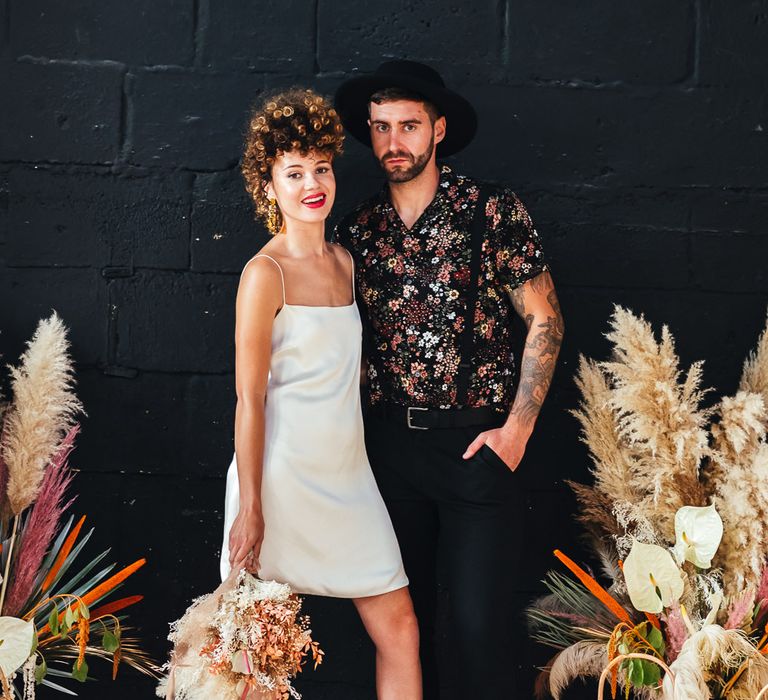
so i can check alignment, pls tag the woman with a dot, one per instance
(302, 506)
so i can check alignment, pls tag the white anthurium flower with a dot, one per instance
(242, 661)
(653, 579)
(698, 532)
(16, 639)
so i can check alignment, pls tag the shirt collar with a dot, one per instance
(446, 179)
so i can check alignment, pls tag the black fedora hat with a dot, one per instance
(352, 99)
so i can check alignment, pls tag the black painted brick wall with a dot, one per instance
(636, 133)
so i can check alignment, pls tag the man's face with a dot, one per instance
(404, 138)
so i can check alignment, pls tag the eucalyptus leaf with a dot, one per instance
(635, 672)
(53, 621)
(80, 673)
(656, 640)
(40, 670)
(651, 672)
(110, 642)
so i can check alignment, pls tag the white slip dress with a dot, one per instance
(326, 529)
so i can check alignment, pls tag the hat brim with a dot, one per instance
(351, 101)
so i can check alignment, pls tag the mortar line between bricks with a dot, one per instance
(236, 274)
(689, 289)
(92, 63)
(104, 63)
(7, 25)
(195, 22)
(570, 190)
(162, 475)
(124, 118)
(316, 38)
(63, 164)
(112, 333)
(689, 254)
(503, 15)
(114, 167)
(200, 24)
(189, 374)
(191, 227)
(698, 26)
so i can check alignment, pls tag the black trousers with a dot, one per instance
(458, 521)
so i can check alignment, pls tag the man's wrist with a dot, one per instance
(516, 427)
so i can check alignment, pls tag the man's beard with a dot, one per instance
(418, 163)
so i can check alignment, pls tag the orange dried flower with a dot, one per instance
(116, 661)
(83, 633)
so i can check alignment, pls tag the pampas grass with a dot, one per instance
(615, 467)
(3, 479)
(660, 420)
(40, 527)
(656, 448)
(43, 409)
(754, 377)
(642, 420)
(595, 512)
(738, 475)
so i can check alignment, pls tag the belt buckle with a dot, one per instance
(408, 417)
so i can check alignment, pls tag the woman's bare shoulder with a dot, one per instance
(262, 279)
(342, 254)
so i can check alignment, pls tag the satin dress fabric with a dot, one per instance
(326, 529)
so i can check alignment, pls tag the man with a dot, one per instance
(442, 262)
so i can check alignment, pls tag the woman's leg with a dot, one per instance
(391, 623)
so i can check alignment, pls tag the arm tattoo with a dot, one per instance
(542, 346)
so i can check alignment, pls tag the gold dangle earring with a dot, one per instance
(274, 224)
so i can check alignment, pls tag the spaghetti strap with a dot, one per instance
(353, 275)
(282, 277)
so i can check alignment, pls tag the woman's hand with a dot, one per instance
(245, 538)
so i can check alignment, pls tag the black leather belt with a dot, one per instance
(417, 418)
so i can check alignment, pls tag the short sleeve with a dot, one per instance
(515, 244)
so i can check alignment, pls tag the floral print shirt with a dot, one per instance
(413, 284)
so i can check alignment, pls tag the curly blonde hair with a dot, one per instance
(292, 120)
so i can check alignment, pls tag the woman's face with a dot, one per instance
(304, 186)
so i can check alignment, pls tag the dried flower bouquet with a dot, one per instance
(244, 641)
(53, 606)
(677, 516)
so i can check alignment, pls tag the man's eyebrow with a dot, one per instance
(415, 120)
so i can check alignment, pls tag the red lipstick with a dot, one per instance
(314, 201)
